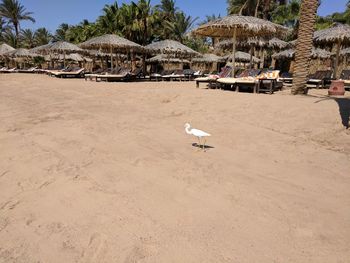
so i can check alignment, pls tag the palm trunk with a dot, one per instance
(304, 44)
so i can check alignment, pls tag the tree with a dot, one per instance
(180, 26)
(109, 21)
(61, 32)
(304, 45)
(14, 12)
(27, 38)
(42, 36)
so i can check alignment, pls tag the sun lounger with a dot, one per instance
(93, 76)
(211, 79)
(123, 74)
(159, 76)
(287, 79)
(77, 73)
(176, 75)
(30, 70)
(6, 70)
(319, 79)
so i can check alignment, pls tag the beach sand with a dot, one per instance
(104, 172)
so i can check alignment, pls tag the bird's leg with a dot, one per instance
(199, 141)
(204, 144)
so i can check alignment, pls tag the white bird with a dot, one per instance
(198, 133)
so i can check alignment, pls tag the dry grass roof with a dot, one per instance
(170, 47)
(110, 41)
(246, 26)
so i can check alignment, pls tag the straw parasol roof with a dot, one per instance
(274, 43)
(315, 53)
(170, 47)
(245, 26)
(62, 46)
(208, 58)
(110, 41)
(338, 34)
(165, 59)
(4, 48)
(242, 57)
(21, 52)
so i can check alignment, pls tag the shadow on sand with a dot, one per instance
(344, 108)
(206, 147)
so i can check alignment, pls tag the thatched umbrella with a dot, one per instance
(238, 26)
(111, 43)
(170, 47)
(4, 48)
(65, 48)
(274, 44)
(339, 35)
(20, 53)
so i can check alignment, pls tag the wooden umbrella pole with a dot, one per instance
(337, 60)
(64, 59)
(251, 58)
(111, 49)
(234, 51)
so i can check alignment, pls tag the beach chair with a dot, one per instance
(189, 74)
(211, 79)
(121, 75)
(92, 76)
(245, 75)
(269, 82)
(159, 76)
(176, 75)
(73, 73)
(319, 79)
(287, 79)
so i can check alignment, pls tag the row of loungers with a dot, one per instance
(117, 74)
(175, 75)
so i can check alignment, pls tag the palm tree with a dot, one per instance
(14, 12)
(27, 37)
(42, 36)
(167, 12)
(61, 32)
(109, 21)
(304, 45)
(180, 26)
(9, 37)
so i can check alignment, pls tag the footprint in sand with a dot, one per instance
(96, 249)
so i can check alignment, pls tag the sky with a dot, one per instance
(52, 13)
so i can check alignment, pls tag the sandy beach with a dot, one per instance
(104, 172)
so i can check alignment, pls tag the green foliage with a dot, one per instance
(13, 12)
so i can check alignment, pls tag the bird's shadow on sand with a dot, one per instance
(206, 147)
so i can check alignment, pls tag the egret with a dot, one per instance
(198, 133)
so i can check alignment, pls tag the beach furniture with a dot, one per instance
(73, 73)
(211, 79)
(319, 79)
(176, 75)
(121, 75)
(7, 70)
(158, 76)
(286, 78)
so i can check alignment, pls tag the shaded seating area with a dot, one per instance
(345, 76)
